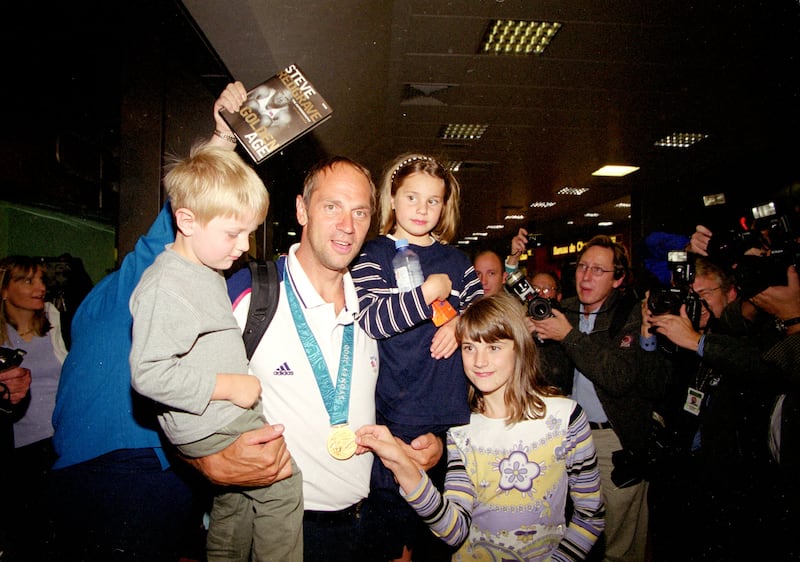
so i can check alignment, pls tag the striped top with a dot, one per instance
(415, 393)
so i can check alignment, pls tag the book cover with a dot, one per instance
(278, 111)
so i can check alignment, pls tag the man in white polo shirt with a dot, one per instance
(317, 368)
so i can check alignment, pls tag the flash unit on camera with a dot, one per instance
(676, 256)
(765, 210)
(713, 199)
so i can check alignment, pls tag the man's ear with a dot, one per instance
(185, 221)
(302, 213)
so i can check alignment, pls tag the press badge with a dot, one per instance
(693, 400)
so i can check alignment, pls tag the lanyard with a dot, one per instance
(337, 400)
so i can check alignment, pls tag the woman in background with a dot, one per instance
(32, 325)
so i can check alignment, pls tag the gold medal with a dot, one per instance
(342, 442)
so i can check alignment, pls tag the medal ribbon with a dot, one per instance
(337, 400)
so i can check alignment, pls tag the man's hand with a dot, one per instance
(678, 329)
(518, 245)
(782, 301)
(699, 241)
(425, 450)
(554, 328)
(231, 100)
(256, 459)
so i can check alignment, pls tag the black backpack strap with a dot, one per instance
(264, 294)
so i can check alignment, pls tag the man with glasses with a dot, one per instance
(715, 481)
(546, 284)
(601, 364)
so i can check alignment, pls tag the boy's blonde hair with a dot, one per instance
(215, 182)
(402, 167)
(500, 317)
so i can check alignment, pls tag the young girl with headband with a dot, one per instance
(421, 386)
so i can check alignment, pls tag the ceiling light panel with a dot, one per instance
(463, 131)
(517, 37)
(680, 140)
(572, 190)
(615, 171)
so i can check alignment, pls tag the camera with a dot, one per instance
(535, 239)
(10, 358)
(668, 300)
(754, 273)
(539, 307)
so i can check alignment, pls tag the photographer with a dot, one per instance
(714, 463)
(776, 361)
(614, 379)
(783, 361)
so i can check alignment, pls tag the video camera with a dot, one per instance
(754, 273)
(539, 307)
(668, 300)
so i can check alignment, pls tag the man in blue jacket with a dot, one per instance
(116, 495)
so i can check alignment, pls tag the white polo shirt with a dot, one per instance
(291, 396)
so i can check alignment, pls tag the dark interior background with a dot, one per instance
(97, 95)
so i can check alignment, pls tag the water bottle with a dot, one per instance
(407, 270)
(408, 273)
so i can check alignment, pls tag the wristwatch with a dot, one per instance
(783, 324)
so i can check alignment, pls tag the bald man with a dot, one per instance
(489, 267)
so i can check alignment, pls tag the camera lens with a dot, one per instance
(540, 308)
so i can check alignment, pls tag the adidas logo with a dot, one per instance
(283, 370)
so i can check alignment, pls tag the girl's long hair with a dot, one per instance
(502, 317)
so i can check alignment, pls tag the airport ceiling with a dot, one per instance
(617, 77)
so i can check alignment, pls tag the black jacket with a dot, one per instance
(627, 379)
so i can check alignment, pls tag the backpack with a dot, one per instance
(265, 290)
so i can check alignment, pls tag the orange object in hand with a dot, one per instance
(443, 311)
